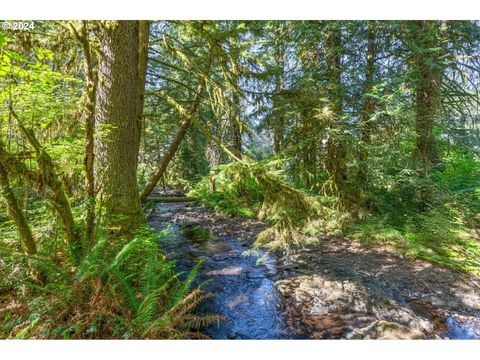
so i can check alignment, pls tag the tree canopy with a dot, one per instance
(367, 130)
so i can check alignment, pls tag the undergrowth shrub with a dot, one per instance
(435, 218)
(233, 193)
(294, 215)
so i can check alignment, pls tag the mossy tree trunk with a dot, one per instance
(336, 152)
(235, 114)
(236, 126)
(81, 35)
(117, 121)
(49, 176)
(429, 69)
(368, 105)
(14, 211)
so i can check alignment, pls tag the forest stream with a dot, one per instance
(338, 289)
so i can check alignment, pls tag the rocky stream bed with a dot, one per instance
(337, 289)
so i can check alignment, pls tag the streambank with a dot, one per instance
(335, 289)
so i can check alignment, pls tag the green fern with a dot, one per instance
(131, 293)
(125, 289)
(183, 288)
(150, 304)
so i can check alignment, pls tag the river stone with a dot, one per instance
(237, 336)
(221, 257)
(385, 330)
(301, 296)
(318, 309)
(438, 302)
(255, 275)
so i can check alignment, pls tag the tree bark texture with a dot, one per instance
(116, 118)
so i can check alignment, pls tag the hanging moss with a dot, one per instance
(293, 214)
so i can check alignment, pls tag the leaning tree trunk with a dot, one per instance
(116, 119)
(15, 213)
(172, 149)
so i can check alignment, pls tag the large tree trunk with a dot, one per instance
(429, 69)
(368, 105)
(89, 119)
(336, 152)
(116, 117)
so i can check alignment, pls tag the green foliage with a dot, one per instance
(434, 218)
(130, 293)
(275, 89)
(234, 193)
(293, 214)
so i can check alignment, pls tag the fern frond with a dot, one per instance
(151, 274)
(198, 322)
(184, 287)
(126, 290)
(149, 305)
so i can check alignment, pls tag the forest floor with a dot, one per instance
(337, 288)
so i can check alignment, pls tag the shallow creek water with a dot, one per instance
(243, 289)
(243, 284)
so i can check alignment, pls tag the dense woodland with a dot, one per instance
(365, 130)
